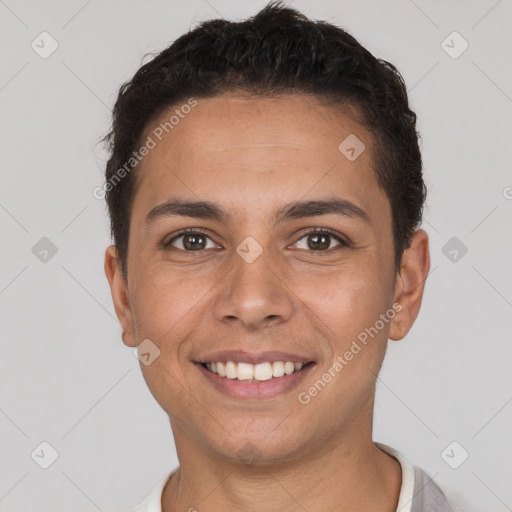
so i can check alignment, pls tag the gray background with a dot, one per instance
(67, 378)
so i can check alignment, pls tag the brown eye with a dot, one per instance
(319, 241)
(191, 241)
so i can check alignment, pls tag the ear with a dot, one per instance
(409, 285)
(120, 296)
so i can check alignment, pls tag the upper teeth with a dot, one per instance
(247, 371)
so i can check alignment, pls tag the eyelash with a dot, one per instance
(313, 231)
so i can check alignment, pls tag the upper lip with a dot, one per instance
(238, 356)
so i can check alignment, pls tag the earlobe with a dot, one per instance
(410, 284)
(120, 297)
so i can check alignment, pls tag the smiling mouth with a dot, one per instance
(246, 372)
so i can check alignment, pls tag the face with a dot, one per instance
(288, 258)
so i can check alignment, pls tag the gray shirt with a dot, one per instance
(427, 497)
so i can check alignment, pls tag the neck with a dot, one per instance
(344, 476)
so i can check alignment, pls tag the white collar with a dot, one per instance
(407, 487)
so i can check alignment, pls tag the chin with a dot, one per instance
(257, 450)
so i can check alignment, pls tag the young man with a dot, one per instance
(265, 188)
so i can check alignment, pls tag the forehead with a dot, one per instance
(258, 125)
(233, 147)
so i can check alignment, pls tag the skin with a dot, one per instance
(252, 156)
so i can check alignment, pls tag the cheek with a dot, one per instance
(350, 302)
(156, 317)
(164, 299)
(166, 312)
(347, 299)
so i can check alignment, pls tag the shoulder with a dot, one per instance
(419, 492)
(427, 495)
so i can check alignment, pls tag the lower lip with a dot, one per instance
(256, 390)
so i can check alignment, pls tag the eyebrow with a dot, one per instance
(296, 210)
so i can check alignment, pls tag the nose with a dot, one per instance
(254, 295)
